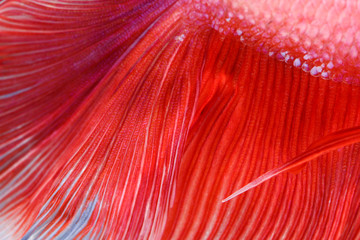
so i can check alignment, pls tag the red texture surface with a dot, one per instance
(131, 120)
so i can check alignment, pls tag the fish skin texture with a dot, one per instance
(320, 36)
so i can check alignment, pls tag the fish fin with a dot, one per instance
(96, 106)
(326, 144)
(298, 169)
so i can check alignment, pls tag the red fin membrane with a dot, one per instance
(255, 113)
(298, 169)
(329, 143)
(95, 112)
(133, 119)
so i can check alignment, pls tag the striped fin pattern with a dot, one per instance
(136, 119)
